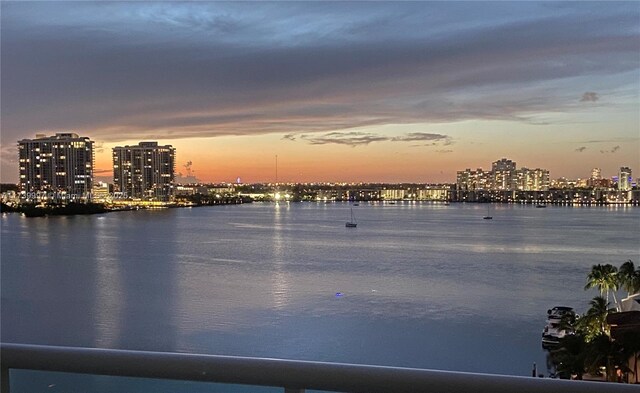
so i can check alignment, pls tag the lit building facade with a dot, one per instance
(56, 167)
(532, 179)
(434, 194)
(624, 179)
(144, 171)
(393, 194)
(473, 180)
(504, 175)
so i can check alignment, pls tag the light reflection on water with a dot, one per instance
(424, 285)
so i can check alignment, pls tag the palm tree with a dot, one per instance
(629, 277)
(594, 322)
(604, 352)
(569, 357)
(605, 277)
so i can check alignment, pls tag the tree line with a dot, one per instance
(591, 348)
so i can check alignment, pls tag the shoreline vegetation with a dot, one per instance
(604, 342)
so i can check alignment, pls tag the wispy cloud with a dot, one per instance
(424, 137)
(581, 149)
(352, 139)
(358, 138)
(611, 151)
(290, 137)
(590, 96)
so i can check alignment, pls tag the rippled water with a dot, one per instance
(422, 285)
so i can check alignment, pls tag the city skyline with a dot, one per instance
(375, 92)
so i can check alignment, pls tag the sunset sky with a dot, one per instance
(365, 91)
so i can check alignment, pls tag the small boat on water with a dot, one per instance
(351, 223)
(488, 216)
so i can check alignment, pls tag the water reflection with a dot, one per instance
(279, 277)
(109, 287)
(145, 268)
(422, 286)
(48, 280)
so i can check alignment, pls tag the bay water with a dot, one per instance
(423, 285)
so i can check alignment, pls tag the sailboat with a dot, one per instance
(351, 223)
(488, 217)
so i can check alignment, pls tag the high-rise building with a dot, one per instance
(469, 180)
(504, 175)
(144, 171)
(58, 166)
(596, 174)
(624, 179)
(532, 179)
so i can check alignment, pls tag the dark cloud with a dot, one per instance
(581, 149)
(290, 137)
(423, 136)
(352, 139)
(612, 140)
(122, 71)
(590, 96)
(357, 138)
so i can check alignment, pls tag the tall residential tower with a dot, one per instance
(144, 171)
(60, 165)
(624, 179)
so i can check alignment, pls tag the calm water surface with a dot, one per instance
(422, 285)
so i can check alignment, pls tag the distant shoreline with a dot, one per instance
(72, 209)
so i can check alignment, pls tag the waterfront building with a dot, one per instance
(562, 182)
(624, 179)
(434, 194)
(393, 194)
(504, 175)
(101, 192)
(599, 183)
(469, 180)
(144, 171)
(225, 190)
(532, 179)
(501, 183)
(58, 167)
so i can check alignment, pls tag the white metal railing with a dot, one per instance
(292, 375)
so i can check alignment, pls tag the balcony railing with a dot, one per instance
(291, 375)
